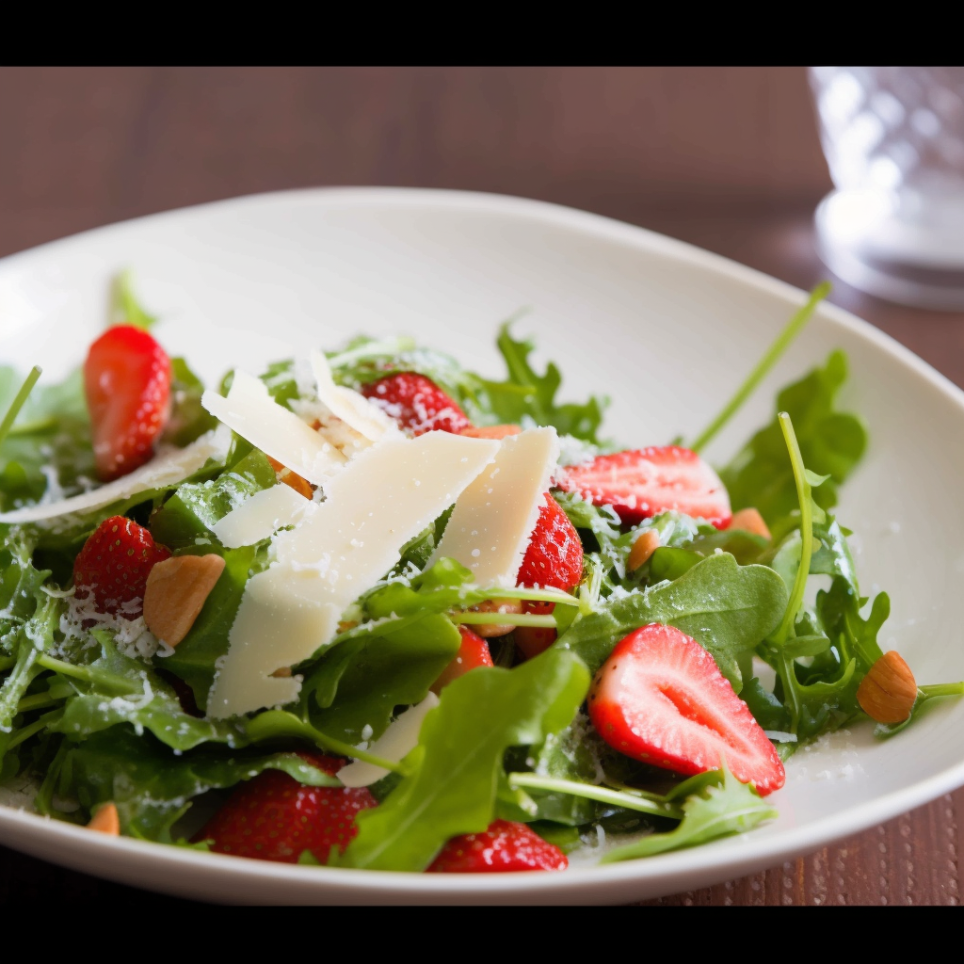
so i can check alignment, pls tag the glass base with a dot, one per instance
(880, 244)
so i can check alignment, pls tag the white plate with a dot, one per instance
(666, 329)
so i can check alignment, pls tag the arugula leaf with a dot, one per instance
(528, 394)
(125, 690)
(359, 684)
(48, 446)
(727, 608)
(196, 655)
(189, 419)
(33, 636)
(455, 769)
(832, 443)
(185, 520)
(717, 811)
(152, 787)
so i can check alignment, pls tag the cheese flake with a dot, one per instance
(393, 745)
(350, 406)
(491, 524)
(162, 472)
(260, 516)
(383, 498)
(251, 412)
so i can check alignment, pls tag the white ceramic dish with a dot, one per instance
(666, 329)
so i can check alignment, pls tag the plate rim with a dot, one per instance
(681, 868)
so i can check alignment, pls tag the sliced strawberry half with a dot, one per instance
(417, 404)
(127, 381)
(473, 653)
(641, 483)
(505, 846)
(114, 564)
(273, 817)
(661, 698)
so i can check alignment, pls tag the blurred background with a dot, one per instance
(725, 158)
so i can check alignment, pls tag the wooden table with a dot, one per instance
(725, 158)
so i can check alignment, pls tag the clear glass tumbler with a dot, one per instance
(894, 141)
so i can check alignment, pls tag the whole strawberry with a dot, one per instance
(127, 381)
(114, 564)
(273, 817)
(505, 846)
(416, 403)
(554, 555)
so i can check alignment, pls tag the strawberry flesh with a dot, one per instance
(661, 698)
(274, 817)
(505, 846)
(114, 564)
(417, 404)
(641, 483)
(127, 382)
(473, 653)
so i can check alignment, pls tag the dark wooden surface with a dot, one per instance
(725, 158)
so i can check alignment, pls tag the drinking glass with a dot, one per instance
(894, 141)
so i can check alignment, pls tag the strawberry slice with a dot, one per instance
(661, 698)
(273, 817)
(505, 846)
(644, 482)
(553, 558)
(417, 404)
(114, 564)
(127, 380)
(473, 652)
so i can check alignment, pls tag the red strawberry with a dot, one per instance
(416, 403)
(505, 846)
(553, 558)
(661, 698)
(533, 640)
(273, 817)
(473, 652)
(127, 380)
(554, 555)
(114, 564)
(644, 482)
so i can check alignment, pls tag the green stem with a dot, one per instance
(25, 389)
(532, 595)
(6, 662)
(115, 683)
(27, 732)
(278, 724)
(504, 619)
(37, 701)
(619, 798)
(806, 530)
(37, 425)
(942, 689)
(764, 365)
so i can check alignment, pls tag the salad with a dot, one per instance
(370, 609)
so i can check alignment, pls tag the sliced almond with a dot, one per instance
(750, 520)
(888, 692)
(291, 479)
(283, 672)
(177, 589)
(643, 548)
(490, 431)
(496, 606)
(106, 820)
